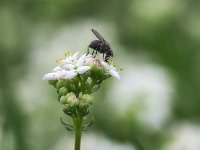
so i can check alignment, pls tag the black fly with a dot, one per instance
(100, 46)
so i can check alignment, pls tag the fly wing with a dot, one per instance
(98, 35)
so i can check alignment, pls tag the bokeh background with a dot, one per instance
(155, 105)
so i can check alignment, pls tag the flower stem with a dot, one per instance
(78, 128)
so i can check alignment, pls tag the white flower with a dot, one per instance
(111, 70)
(54, 75)
(70, 74)
(78, 66)
(70, 60)
(68, 68)
(50, 76)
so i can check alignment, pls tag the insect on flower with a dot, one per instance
(100, 46)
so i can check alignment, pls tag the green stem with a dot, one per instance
(78, 128)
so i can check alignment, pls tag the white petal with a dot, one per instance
(88, 56)
(62, 62)
(83, 69)
(114, 74)
(71, 59)
(67, 59)
(62, 73)
(75, 56)
(70, 74)
(69, 66)
(90, 61)
(58, 68)
(105, 65)
(112, 68)
(51, 76)
(81, 60)
(101, 59)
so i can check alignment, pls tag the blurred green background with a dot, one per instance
(155, 105)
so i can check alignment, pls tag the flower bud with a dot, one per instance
(60, 83)
(70, 94)
(87, 98)
(63, 99)
(87, 85)
(72, 100)
(72, 88)
(83, 104)
(68, 110)
(63, 91)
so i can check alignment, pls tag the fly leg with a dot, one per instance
(92, 52)
(95, 54)
(88, 51)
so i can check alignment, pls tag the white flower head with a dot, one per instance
(71, 66)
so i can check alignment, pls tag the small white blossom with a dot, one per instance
(69, 67)
(80, 61)
(111, 70)
(71, 59)
(70, 74)
(55, 75)
(78, 66)
(50, 76)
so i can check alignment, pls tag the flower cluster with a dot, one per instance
(75, 78)
(71, 66)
